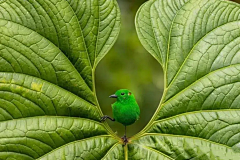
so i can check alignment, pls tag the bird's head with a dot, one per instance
(123, 95)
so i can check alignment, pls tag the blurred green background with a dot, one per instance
(128, 65)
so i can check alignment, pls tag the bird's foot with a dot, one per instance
(103, 119)
(124, 139)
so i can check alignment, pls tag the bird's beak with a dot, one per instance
(113, 96)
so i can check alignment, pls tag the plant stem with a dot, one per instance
(141, 133)
(126, 152)
(110, 131)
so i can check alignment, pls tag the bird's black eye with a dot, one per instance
(122, 93)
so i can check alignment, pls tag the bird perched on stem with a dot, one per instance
(125, 110)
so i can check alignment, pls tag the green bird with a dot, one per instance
(125, 110)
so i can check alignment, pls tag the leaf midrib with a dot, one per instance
(51, 116)
(109, 151)
(181, 136)
(154, 150)
(193, 112)
(84, 42)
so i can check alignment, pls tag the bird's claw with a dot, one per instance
(124, 139)
(103, 119)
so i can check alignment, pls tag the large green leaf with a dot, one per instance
(49, 50)
(197, 44)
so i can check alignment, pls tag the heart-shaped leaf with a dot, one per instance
(197, 44)
(49, 50)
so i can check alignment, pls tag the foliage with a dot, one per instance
(49, 53)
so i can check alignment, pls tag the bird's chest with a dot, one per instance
(124, 114)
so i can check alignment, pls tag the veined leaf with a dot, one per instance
(197, 44)
(49, 50)
(160, 146)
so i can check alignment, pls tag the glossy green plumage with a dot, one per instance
(125, 110)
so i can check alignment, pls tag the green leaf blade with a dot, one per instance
(48, 57)
(14, 156)
(203, 94)
(217, 126)
(206, 56)
(51, 100)
(153, 24)
(62, 25)
(199, 108)
(30, 53)
(92, 148)
(100, 26)
(38, 136)
(137, 151)
(115, 153)
(183, 147)
(65, 32)
(189, 31)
